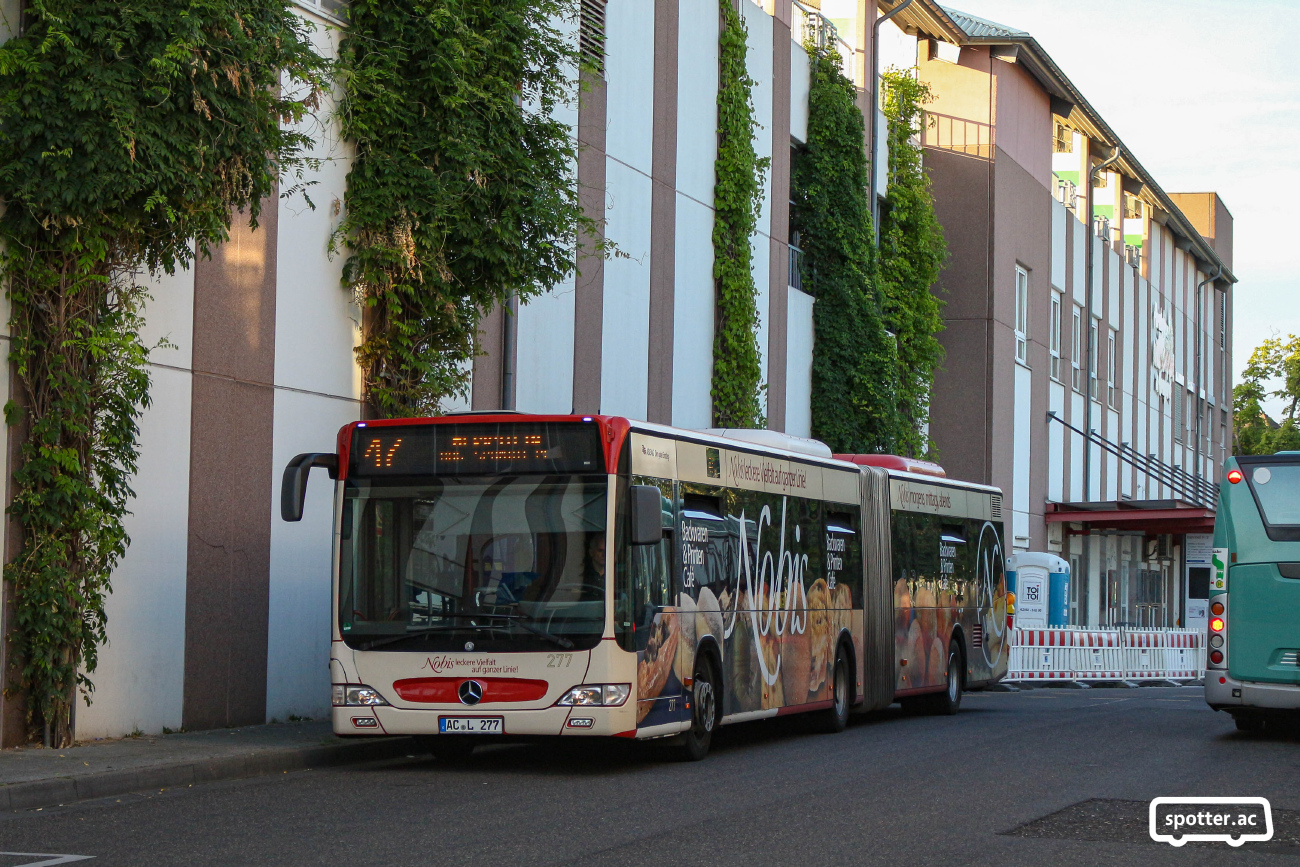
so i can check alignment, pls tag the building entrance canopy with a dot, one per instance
(1146, 516)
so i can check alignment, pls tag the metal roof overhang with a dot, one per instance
(928, 17)
(1146, 516)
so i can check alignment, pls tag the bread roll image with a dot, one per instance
(936, 670)
(902, 595)
(842, 605)
(819, 636)
(923, 600)
(913, 674)
(742, 649)
(684, 662)
(656, 660)
(708, 616)
(794, 664)
(773, 694)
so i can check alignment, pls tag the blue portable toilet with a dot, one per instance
(1041, 582)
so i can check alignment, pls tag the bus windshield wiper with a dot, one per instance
(514, 620)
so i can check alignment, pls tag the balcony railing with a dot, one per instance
(958, 134)
(1184, 485)
(796, 268)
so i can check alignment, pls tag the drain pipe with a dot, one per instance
(1218, 272)
(508, 313)
(1088, 342)
(874, 107)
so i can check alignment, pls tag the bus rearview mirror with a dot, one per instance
(647, 515)
(293, 488)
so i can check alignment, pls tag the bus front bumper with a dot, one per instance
(598, 721)
(1231, 693)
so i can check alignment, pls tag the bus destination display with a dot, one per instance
(477, 449)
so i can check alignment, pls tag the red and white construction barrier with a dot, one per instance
(1076, 653)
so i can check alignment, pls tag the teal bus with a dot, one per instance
(1253, 657)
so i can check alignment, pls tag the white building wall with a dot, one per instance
(758, 62)
(693, 315)
(139, 682)
(800, 82)
(317, 391)
(798, 363)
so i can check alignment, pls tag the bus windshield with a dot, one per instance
(510, 564)
(1277, 490)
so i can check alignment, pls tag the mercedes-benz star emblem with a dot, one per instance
(471, 692)
(469, 645)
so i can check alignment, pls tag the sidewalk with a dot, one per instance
(33, 777)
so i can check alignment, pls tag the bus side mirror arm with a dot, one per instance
(647, 515)
(293, 488)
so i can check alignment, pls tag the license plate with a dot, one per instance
(471, 725)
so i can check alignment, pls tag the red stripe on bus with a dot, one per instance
(445, 690)
(800, 708)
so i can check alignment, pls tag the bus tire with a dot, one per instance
(948, 702)
(1249, 722)
(451, 749)
(835, 718)
(706, 692)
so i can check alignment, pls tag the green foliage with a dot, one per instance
(463, 191)
(912, 252)
(129, 132)
(853, 374)
(737, 202)
(1275, 361)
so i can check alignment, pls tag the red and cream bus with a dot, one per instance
(506, 574)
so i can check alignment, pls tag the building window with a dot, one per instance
(333, 8)
(591, 34)
(1177, 407)
(1112, 393)
(1223, 320)
(1063, 143)
(1092, 358)
(1076, 350)
(1022, 315)
(1054, 340)
(1189, 418)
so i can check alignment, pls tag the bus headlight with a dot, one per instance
(346, 695)
(596, 695)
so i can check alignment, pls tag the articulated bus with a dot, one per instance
(1253, 666)
(515, 575)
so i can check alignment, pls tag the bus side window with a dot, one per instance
(844, 553)
(702, 544)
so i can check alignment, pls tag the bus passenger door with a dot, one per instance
(658, 628)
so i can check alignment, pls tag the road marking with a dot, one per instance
(50, 859)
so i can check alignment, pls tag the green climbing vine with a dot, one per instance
(912, 253)
(737, 389)
(463, 190)
(129, 135)
(854, 364)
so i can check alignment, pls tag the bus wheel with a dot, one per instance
(949, 701)
(836, 717)
(693, 745)
(1248, 722)
(452, 749)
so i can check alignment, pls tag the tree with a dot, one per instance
(912, 252)
(130, 135)
(854, 378)
(463, 192)
(1275, 361)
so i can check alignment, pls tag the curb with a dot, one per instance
(65, 790)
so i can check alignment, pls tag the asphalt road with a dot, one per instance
(1038, 777)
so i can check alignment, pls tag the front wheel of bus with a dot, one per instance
(696, 741)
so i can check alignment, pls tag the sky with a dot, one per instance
(1206, 95)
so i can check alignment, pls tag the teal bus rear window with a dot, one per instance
(515, 448)
(1274, 482)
